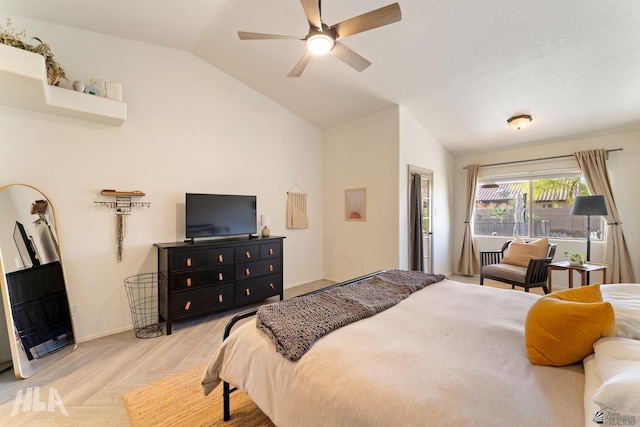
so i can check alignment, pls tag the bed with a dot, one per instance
(449, 354)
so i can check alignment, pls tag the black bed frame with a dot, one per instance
(227, 390)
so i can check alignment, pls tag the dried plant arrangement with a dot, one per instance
(10, 37)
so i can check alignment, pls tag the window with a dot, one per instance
(535, 207)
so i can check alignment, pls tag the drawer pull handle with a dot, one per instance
(272, 286)
(220, 298)
(187, 305)
(247, 272)
(220, 258)
(247, 254)
(188, 281)
(188, 262)
(271, 251)
(270, 267)
(220, 278)
(248, 292)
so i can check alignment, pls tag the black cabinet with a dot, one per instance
(40, 309)
(208, 276)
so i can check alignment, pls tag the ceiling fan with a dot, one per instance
(323, 39)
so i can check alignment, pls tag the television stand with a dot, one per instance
(204, 277)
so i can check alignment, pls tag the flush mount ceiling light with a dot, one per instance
(518, 122)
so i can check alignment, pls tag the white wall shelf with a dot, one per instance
(23, 84)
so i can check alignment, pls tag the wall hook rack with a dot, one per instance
(122, 205)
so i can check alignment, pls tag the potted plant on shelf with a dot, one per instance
(575, 258)
(8, 36)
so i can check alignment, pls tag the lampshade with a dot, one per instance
(265, 220)
(589, 205)
(319, 44)
(518, 122)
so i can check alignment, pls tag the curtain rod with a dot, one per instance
(541, 158)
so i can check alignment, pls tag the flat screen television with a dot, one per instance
(220, 215)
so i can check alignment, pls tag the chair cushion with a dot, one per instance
(505, 271)
(520, 252)
(561, 328)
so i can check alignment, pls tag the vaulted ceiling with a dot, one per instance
(459, 67)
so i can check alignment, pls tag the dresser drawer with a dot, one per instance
(192, 279)
(219, 256)
(247, 253)
(259, 288)
(270, 250)
(184, 260)
(189, 303)
(248, 270)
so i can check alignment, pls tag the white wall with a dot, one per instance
(361, 153)
(624, 175)
(190, 128)
(419, 148)
(375, 152)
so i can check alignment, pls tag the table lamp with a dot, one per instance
(589, 205)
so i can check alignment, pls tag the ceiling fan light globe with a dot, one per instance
(320, 44)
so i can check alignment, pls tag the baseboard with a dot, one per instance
(105, 334)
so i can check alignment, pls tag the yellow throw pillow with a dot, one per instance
(582, 294)
(520, 252)
(562, 327)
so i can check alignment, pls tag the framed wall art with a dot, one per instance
(355, 204)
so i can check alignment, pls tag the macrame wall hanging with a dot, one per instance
(122, 206)
(297, 209)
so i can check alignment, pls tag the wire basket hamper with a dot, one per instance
(142, 292)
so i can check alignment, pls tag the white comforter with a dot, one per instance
(451, 354)
(612, 373)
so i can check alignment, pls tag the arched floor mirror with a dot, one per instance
(39, 327)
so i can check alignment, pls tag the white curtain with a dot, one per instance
(468, 262)
(594, 169)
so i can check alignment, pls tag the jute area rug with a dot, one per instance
(178, 401)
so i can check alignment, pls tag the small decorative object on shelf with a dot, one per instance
(123, 206)
(8, 36)
(100, 85)
(78, 86)
(575, 259)
(266, 221)
(114, 91)
(92, 90)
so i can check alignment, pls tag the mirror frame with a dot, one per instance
(18, 355)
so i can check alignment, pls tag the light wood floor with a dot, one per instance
(90, 381)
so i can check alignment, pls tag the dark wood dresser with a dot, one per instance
(208, 276)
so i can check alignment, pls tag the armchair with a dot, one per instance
(532, 276)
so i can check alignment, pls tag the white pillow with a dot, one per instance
(625, 299)
(617, 362)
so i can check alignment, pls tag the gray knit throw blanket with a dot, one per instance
(295, 324)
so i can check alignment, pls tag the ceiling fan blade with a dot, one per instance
(349, 57)
(300, 66)
(259, 36)
(368, 21)
(312, 12)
